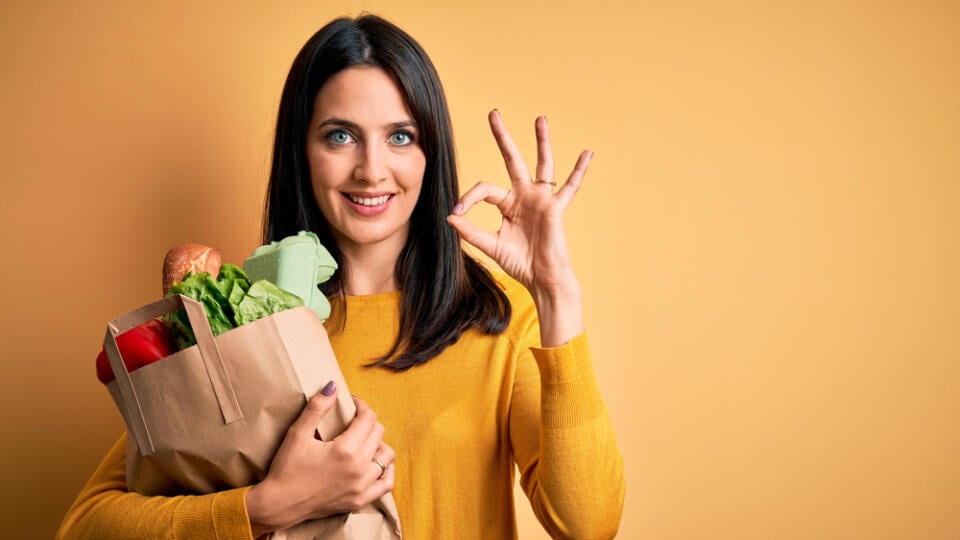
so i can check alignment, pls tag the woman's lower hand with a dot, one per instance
(531, 245)
(311, 479)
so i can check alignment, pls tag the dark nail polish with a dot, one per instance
(329, 389)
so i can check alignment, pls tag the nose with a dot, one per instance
(371, 166)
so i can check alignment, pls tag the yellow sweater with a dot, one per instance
(458, 425)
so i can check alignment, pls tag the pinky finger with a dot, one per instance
(569, 188)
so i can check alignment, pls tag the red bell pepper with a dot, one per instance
(139, 346)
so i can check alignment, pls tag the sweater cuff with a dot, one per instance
(568, 385)
(224, 515)
(564, 363)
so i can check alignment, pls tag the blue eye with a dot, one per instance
(401, 138)
(338, 137)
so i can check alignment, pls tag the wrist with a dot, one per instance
(560, 311)
(553, 288)
(262, 510)
(558, 293)
(557, 301)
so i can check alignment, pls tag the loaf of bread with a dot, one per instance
(192, 258)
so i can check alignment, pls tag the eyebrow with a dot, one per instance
(352, 125)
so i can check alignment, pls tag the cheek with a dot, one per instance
(327, 176)
(322, 172)
(413, 172)
(322, 179)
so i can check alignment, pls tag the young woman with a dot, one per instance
(466, 373)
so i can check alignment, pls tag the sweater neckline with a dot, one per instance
(384, 298)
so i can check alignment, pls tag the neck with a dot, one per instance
(371, 268)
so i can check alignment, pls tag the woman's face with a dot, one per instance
(366, 164)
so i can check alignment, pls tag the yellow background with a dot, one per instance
(767, 238)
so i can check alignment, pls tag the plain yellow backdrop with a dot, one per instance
(767, 237)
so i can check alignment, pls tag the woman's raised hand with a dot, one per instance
(310, 478)
(531, 245)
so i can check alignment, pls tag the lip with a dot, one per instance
(369, 211)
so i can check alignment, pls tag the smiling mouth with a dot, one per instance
(369, 201)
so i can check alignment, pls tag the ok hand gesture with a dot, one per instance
(531, 245)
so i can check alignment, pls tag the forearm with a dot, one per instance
(576, 486)
(105, 509)
(130, 515)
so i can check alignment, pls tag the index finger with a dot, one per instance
(516, 167)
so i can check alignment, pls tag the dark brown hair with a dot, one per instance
(444, 291)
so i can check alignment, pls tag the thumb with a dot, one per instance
(475, 236)
(317, 407)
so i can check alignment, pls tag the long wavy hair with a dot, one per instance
(444, 291)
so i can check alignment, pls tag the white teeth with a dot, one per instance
(370, 201)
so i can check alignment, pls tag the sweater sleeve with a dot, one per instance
(105, 509)
(563, 442)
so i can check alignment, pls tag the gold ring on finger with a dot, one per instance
(540, 181)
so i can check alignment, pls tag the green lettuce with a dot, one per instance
(230, 300)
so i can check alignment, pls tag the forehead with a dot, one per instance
(364, 95)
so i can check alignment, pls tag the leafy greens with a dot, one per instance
(230, 300)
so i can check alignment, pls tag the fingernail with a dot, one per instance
(457, 209)
(329, 389)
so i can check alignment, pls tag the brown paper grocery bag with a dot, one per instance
(212, 416)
